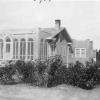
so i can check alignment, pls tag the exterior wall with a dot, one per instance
(43, 51)
(61, 49)
(16, 35)
(89, 50)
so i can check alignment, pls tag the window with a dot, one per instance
(77, 52)
(1, 49)
(22, 49)
(80, 52)
(43, 49)
(8, 45)
(30, 49)
(15, 49)
(52, 49)
(83, 53)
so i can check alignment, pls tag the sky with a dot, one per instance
(81, 18)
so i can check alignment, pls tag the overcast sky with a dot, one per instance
(81, 18)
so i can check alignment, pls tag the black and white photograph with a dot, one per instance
(49, 49)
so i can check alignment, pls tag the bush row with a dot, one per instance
(50, 72)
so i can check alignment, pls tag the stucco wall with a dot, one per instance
(83, 44)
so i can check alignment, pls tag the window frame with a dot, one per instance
(30, 51)
(43, 49)
(80, 53)
(15, 48)
(23, 49)
(8, 45)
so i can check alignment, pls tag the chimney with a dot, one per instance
(57, 24)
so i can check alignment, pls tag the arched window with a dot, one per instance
(22, 49)
(30, 49)
(1, 49)
(8, 44)
(15, 49)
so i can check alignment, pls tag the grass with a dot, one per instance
(61, 92)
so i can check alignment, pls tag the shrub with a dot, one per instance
(6, 74)
(39, 71)
(25, 69)
(51, 72)
(55, 63)
(76, 75)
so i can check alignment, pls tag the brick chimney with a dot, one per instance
(57, 24)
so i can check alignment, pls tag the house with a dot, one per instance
(41, 43)
(31, 44)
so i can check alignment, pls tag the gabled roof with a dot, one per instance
(52, 32)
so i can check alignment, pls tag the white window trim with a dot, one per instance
(80, 51)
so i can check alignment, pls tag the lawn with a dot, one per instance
(62, 92)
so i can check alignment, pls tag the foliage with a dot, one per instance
(51, 72)
(6, 74)
(77, 75)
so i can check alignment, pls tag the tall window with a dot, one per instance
(22, 49)
(8, 45)
(43, 49)
(52, 49)
(30, 49)
(15, 49)
(1, 49)
(83, 52)
(80, 52)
